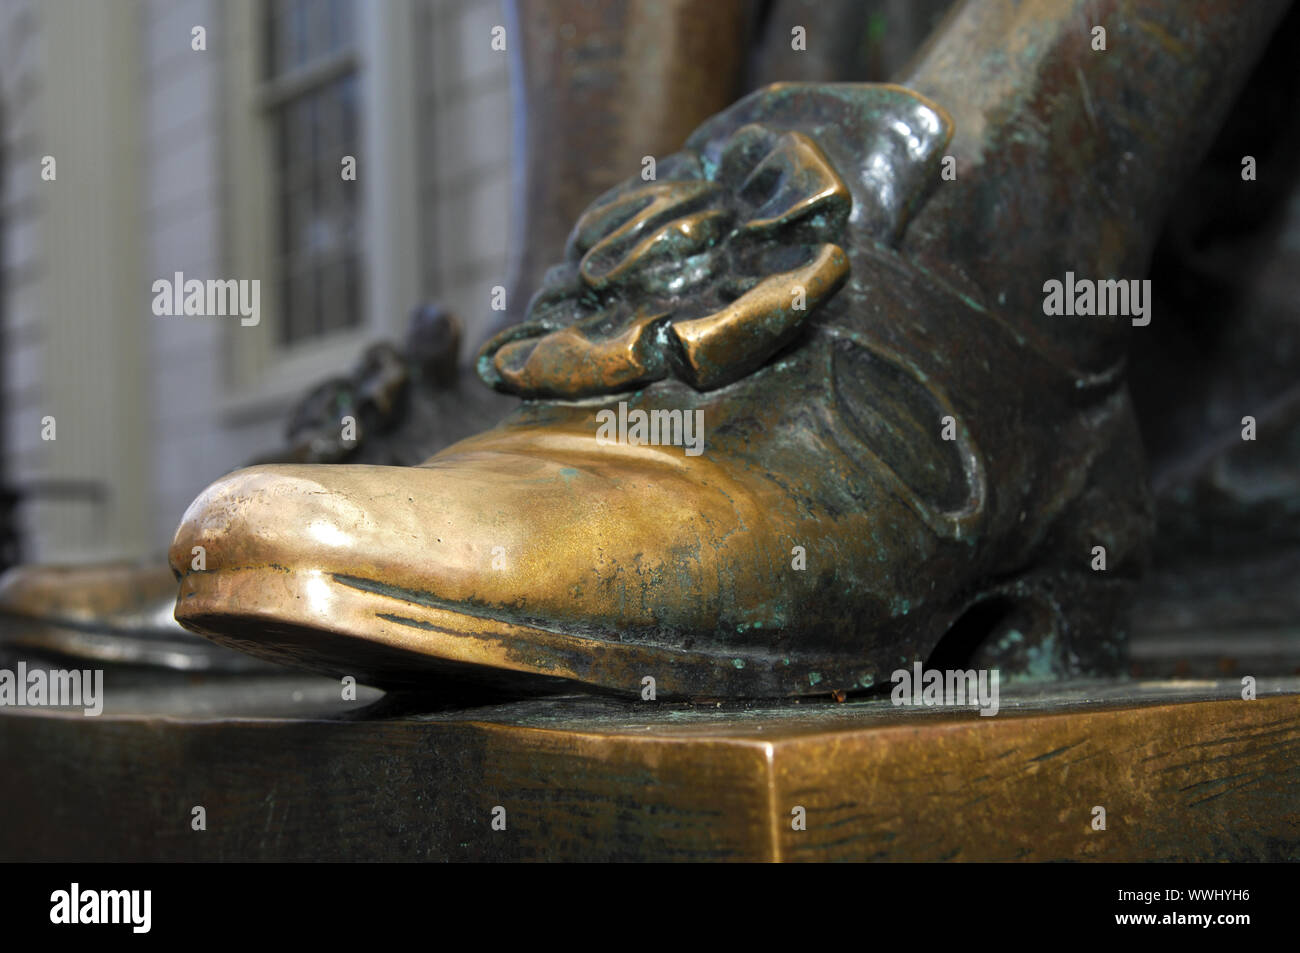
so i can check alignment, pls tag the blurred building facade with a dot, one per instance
(142, 139)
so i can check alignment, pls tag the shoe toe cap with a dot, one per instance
(630, 540)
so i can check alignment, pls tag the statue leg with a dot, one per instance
(1068, 155)
(839, 41)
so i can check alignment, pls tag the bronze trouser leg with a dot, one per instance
(860, 41)
(1067, 157)
(597, 87)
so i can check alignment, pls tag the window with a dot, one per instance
(305, 83)
(311, 99)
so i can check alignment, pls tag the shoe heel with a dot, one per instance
(1044, 625)
(1065, 618)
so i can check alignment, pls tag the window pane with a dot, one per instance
(301, 31)
(341, 24)
(319, 212)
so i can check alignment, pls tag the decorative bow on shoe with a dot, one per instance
(707, 274)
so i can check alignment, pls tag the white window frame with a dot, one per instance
(262, 376)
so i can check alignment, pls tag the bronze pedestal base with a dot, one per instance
(285, 770)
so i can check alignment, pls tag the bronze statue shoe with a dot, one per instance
(112, 613)
(763, 453)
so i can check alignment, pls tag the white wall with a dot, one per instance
(72, 243)
(20, 208)
(181, 426)
(190, 444)
(467, 146)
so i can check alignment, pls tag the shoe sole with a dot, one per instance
(344, 625)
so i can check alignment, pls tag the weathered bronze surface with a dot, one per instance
(632, 561)
(288, 771)
(1069, 158)
(799, 279)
